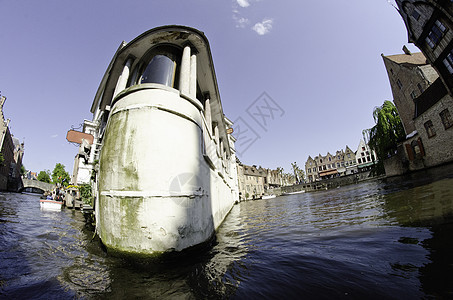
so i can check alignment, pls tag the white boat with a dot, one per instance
(268, 197)
(293, 193)
(167, 167)
(50, 204)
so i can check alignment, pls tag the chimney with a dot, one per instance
(406, 50)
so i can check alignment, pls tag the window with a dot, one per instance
(413, 95)
(338, 165)
(415, 14)
(391, 71)
(420, 88)
(446, 118)
(400, 85)
(430, 128)
(314, 169)
(448, 62)
(161, 66)
(363, 154)
(368, 158)
(435, 35)
(360, 161)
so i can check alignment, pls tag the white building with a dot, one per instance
(365, 157)
(166, 176)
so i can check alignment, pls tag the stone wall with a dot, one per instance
(438, 148)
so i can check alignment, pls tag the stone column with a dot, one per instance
(184, 76)
(216, 134)
(193, 77)
(122, 81)
(207, 114)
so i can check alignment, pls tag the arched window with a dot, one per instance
(161, 65)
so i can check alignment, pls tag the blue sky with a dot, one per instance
(319, 61)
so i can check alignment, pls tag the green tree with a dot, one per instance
(383, 137)
(22, 170)
(59, 175)
(85, 192)
(44, 176)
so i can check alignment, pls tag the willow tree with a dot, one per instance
(383, 137)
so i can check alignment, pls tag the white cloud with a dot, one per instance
(242, 22)
(54, 136)
(243, 3)
(263, 27)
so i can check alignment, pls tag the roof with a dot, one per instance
(412, 59)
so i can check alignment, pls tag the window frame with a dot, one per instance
(429, 127)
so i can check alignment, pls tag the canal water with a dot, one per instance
(389, 239)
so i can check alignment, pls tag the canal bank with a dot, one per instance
(433, 173)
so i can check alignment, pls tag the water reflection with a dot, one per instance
(372, 240)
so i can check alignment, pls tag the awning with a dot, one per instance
(330, 172)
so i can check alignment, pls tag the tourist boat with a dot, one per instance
(47, 204)
(268, 197)
(167, 175)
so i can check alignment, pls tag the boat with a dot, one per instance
(293, 193)
(268, 197)
(48, 204)
(166, 177)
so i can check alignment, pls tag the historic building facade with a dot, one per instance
(343, 162)
(12, 151)
(410, 75)
(430, 28)
(254, 182)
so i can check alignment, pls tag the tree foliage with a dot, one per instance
(44, 176)
(388, 131)
(59, 175)
(23, 170)
(85, 192)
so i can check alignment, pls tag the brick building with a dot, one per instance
(343, 162)
(12, 151)
(430, 28)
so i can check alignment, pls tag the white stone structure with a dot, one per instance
(167, 176)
